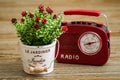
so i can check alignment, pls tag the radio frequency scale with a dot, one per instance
(85, 42)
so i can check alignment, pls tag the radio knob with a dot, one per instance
(83, 23)
(73, 22)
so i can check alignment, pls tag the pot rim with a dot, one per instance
(42, 46)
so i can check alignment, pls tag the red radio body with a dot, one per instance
(85, 42)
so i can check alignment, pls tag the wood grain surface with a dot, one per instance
(10, 62)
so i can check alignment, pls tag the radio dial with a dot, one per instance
(89, 43)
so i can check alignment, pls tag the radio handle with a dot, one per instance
(82, 12)
(86, 12)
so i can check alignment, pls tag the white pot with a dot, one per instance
(37, 59)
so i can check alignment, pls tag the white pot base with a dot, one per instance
(42, 73)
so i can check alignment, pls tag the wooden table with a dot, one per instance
(10, 62)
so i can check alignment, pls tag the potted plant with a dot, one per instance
(38, 32)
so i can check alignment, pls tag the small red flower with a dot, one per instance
(37, 19)
(55, 16)
(64, 28)
(44, 20)
(24, 13)
(31, 15)
(41, 8)
(13, 20)
(49, 10)
(22, 20)
(36, 26)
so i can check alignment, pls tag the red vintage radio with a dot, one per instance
(85, 42)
